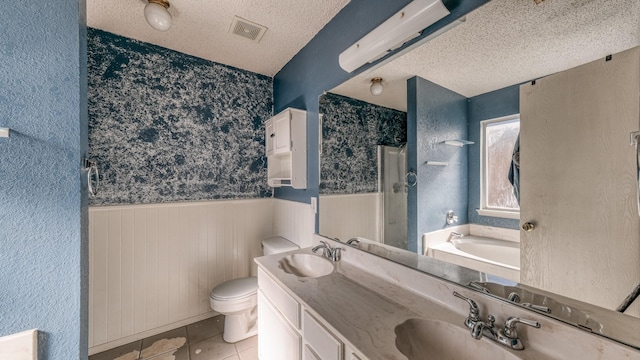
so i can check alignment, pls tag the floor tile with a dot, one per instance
(249, 354)
(170, 341)
(232, 357)
(247, 343)
(178, 354)
(124, 352)
(205, 329)
(212, 349)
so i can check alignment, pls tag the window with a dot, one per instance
(498, 137)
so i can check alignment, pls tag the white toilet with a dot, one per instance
(237, 299)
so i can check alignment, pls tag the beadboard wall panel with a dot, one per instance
(294, 221)
(152, 266)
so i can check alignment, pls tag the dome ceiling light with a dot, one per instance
(376, 86)
(157, 14)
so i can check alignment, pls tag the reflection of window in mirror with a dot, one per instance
(500, 164)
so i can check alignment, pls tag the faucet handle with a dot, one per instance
(510, 326)
(474, 311)
(336, 253)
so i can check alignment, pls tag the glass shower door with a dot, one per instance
(393, 195)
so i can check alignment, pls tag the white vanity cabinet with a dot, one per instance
(278, 339)
(352, 354)
(286, 149)
(278, 321)
(318, 341)
(289, 331)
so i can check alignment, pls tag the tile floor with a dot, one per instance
(198, 341)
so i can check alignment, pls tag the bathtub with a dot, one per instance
(492, 256)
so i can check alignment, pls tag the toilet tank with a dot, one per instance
(277, 244)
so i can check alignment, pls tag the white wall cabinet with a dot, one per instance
(286, 149)
(284, 334)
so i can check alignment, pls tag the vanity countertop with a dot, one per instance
(361, 307)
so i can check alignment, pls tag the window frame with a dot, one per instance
(485, 210)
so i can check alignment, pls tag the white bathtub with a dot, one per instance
(492, 256)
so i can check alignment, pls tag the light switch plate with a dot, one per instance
(314, 204)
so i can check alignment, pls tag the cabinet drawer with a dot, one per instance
(308, 354)
(320, 340)
(287, 305)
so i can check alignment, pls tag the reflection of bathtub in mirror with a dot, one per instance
(495, 256)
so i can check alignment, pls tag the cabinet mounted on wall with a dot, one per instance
(286, 148)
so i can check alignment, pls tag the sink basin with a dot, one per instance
(419, 339)
(306, 265)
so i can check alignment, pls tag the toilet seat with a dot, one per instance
(236, 289)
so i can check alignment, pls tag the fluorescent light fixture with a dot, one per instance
(391, 34)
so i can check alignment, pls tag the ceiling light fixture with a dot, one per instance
(157, 14)
(376, 86)
(393, 33)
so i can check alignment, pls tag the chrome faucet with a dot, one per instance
(513, 296)
(451, 217)
(455, 235)
(508, 336)
(329, 252)
(353, 242)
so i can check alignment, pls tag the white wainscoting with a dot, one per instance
(294, 221)
(152, 266)
(351, 215)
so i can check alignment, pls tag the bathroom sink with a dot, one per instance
(306, 265)
(419, 339)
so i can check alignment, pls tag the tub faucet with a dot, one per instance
(451, 217)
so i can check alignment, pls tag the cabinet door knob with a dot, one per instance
(272, 135)
(528, 226)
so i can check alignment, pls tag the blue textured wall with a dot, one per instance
(43, 242)
(436, 114)
(165, 126)
(491, 105)
(315, 69)
(351, 131)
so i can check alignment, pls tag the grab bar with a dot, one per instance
(91, 167)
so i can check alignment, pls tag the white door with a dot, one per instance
(578, 181)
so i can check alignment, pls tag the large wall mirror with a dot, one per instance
(491, 147)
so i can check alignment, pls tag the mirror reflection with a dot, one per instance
(432, 163)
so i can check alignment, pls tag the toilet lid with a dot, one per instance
(235, 289)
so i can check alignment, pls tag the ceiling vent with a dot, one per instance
(247, 29)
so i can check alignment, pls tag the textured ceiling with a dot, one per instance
(506, 42)
(200, 28)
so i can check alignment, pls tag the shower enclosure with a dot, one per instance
(393, 195)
